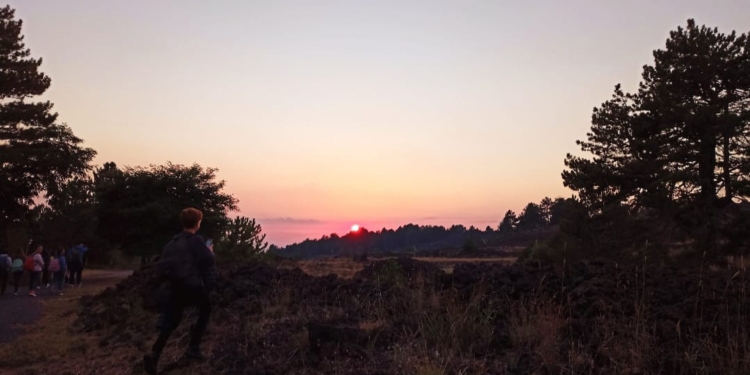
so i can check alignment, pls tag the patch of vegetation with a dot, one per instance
(390, 273)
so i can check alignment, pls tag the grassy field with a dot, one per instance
(347, 268)
(447, 264)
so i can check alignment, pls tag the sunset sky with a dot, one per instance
(322, 114)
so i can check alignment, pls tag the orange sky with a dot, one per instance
(320, 114)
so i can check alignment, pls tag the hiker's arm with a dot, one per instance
(203, 256)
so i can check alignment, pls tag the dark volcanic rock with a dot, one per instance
(270, 320)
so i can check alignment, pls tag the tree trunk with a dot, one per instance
(706, 175)
(727, 169)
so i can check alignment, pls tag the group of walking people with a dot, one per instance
(185, 270)
(44, 269)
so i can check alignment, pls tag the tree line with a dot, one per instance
(534, 217)
(51, 193)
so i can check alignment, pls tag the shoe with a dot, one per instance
(15, 293)
(149, 363)
(195, 354)
(32, 294)
(61, 293)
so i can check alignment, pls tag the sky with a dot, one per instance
(323, 114)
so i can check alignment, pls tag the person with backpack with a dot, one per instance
(186, 269)
(34, 264)
(6, 264)
(59, 266)
(17, 270)
(46, 273)
(75, 264)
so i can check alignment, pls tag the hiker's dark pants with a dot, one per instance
(34, 279)
(17, 275)
(3, 280)
(180, 299)
(45, 275)
(59, 279)
(75, 276)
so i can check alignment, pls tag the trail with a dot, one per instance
(20, 310)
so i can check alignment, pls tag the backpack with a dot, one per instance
(54, 265)
(75, 258)
(18, 265)
(29, 263)
(176, 262)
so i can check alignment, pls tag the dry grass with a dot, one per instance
(535, 330)
(448, 264)
(347, 268)
(504, 260)
(372, 325)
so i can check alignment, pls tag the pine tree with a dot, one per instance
(531, 218)
(37, 155)
(682, 141)
(243, 238)
(700, 85)
(509, 223)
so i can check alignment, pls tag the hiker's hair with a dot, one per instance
(33, 247)
(190, 217)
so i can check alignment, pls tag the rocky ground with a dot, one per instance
(402, 316)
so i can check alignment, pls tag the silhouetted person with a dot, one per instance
(6, 264)
(17, 271)
(186, 266)
(75, 262)
(35, 268)
(45, 270)
(62, 269)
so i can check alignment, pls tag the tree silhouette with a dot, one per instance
(242, 238)
(138, 208)
(531, 218)
(37, 155)
(681, 141)
(509, 223)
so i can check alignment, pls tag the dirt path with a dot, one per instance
(20, 310)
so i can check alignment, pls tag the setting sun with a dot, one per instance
(355, 228)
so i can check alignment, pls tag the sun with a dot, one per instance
(355, 228)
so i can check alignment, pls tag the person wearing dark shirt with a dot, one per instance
(186, 267)
(76, 260)
(46, 256)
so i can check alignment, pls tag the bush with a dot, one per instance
(242, 239)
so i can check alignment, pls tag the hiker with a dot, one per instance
(46, 271)
(59, 266)
(186, 270)
(6, 264)
(17, 270)
(75, 260)
(34, 264)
